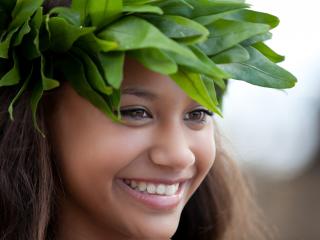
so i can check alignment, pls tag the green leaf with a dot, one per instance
(197, 8)
(213, 70)
(209, 83)
(135, 33)
(25, 29)
(179, 28)
(258, 38)
(142, 9)
(23, 11)
(81, 6)
(176, 7)
(220, 91)
(93, 75)
(259, 70)
(112, 64)
(63, 34)
(36, 95)
(30, 46)
(114, 100)
(205, 7)
(254, 17)
(199, 62)
(75, 74)
(21, 90)
(220, 82)
(5, 44)
(97, 12)
(192, 84)
(139, 2)
(91, 43)
(268, 52)
(225, 34)
(47, 83)
(155, 60)
(13, 76)
(68, 14)
(232, 55)
(102, 12)
(207, 20)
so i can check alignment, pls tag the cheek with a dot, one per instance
(207, 157)
(205, 149)
(89, 163)
(96, 154)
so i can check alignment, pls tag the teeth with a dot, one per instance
(170, 190)
(142, 186)
(160, 189)
(133, 184)
(151, 188)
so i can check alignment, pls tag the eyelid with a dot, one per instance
(202, 109)
(130, 113)
(134, 108)
(203, 119)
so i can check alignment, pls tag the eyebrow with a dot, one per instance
(139, 92)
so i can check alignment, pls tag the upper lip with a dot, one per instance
(159, 180)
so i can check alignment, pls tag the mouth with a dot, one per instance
(153, 188)
(157, 195)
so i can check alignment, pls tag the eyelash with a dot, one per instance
(132, 113)
(129, 113)
(204, 117)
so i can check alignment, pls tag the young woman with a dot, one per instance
(159, 173)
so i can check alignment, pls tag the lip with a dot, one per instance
(158, 181)
(153, 201)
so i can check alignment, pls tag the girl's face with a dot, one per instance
(130, 180)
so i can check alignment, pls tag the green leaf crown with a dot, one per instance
(199, 44)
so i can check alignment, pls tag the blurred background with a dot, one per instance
(276, 134)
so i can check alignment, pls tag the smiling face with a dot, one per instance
(130, 180)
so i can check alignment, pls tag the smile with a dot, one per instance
(157, 195)
(153, 188)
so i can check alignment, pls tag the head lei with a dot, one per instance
(199, 44)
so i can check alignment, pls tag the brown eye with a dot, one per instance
(135, 114)
(198, 116)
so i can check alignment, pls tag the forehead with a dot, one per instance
(140, 81)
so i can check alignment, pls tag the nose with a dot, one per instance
(171, 149)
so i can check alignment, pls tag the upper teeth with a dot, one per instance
(160, 189)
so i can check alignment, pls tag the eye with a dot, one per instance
(135, 114)
(198, 116)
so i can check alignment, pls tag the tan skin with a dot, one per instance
(169, 137)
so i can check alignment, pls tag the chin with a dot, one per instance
(157, 234)
(162, 230)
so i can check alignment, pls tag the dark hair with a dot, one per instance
(26, 181)
(220, 209)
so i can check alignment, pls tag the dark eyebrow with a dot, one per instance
(139, 92)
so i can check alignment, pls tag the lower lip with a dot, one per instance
(158, 202)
